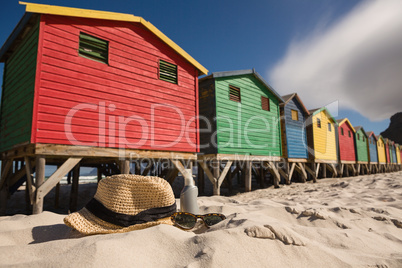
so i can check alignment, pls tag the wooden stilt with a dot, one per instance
(229, 181)
(27, 200)
(57, 196)
(137, 168)
(302, 171)
(317, 169)
(29, 182)
(311, 172)
(5, 171)
(247, 179)
(341, 170)
(5, 168)
(201, 178)
(216, 172)
(74, 188)
(292, 168)
(262, 176)
(99, 171)
(39, 180)
(69, 174)
(147, 169)
(324, 171)
(3, 200)
(125, 166)
(334, 171)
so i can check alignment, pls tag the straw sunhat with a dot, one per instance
(125, 203)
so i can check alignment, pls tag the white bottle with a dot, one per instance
(188, 196)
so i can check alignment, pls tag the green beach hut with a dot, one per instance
(362, 153)
(239, 121)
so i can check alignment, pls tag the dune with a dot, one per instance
(338, 222)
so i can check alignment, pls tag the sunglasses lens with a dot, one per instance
(185, 221)
(213, 219)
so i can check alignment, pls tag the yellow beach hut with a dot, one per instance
(321, 138)
(382, 160)
(398, 154)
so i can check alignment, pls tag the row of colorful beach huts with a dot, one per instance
(108, 90)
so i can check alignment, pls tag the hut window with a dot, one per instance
(295, 115)
(234, 93)
(342, 131)
(358, 136)
(363, 138)
(167, 72)
(318, 122)
(93, 48)
(349, 133)
(329, 127)
(265, 104)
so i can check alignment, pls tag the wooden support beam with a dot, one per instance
(172, 175)
(274, 171)
(217, 172)
(292, 169)
(283, 173)
(341, 170)
(74, 188)
(335, 174)
(147, 169)
(247, 179)
(137, 168)
(4, 172)
(229, 181)
(352, 167)
(346, 170)
(324, 171)
(29, 183)
(201, 178)
(99, 171)
(302, 171)
(44, 189)
(312, 173)
(3, 192)
(236, 170)
(317, 169)
(125, 166)
(187, 173)
(16, 176)
(39, 180)
(224, 172)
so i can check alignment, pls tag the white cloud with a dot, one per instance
(357, 61)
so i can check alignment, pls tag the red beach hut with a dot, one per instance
(92, 88)
(346, 145)
(346, 140)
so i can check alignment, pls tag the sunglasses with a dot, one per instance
(187, 220)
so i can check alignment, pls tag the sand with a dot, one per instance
(342, 222)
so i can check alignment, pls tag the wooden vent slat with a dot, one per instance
(167, 72)
(93, 48)
(265, 103)
(234, 94)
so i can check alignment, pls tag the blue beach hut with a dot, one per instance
(294, 136)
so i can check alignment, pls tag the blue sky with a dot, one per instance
(274, 37)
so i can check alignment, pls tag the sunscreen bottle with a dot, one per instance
(188, 196)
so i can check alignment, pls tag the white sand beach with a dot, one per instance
(338, 222)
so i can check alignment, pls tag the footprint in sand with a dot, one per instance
(286, 235)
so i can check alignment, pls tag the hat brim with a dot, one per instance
(87, 223)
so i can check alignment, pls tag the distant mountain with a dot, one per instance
(394, 130)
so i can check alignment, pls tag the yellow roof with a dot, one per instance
(95, 14)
